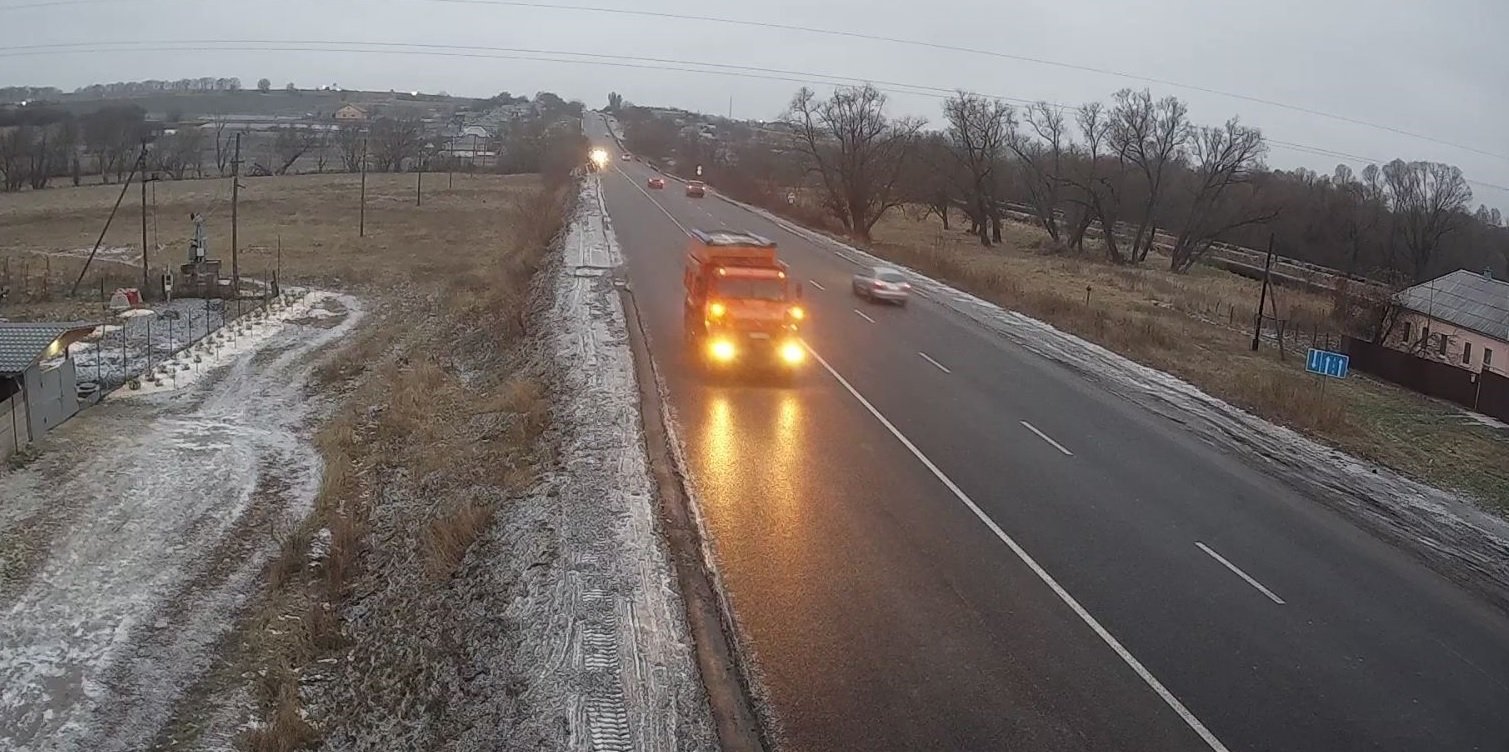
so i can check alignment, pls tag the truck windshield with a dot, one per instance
(752, 289)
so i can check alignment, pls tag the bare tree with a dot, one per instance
(178, 153)
(321, 149)
(931, 179)
(1224, 161)
(394, 141)
(222, 147)
(1429, 200)
(290, 143)
(40, 157)
(1359, 211)
(348, 142)
(1148, 134)
(264, 85)
(16, 144)
(112, 134)
(1098, 179)
(1042, 158)
(978, 129)
(856, 150)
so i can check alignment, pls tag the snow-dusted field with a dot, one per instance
(128, 546)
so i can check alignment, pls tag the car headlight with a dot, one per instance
(797, 313)
(792, 352)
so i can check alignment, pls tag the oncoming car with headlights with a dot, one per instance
(742, 311)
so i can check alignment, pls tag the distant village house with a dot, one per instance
(1461, 318)
(350, 114)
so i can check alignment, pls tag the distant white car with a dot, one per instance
(882, 283)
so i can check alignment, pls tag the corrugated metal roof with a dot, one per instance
(1468, 299)
(22, 343)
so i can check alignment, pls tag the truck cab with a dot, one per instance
(742, 309)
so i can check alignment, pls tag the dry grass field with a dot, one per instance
(1198, 326)
(432, 397)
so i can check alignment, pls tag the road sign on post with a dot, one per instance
(1327, 363)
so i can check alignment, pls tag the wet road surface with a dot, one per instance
(935, 540)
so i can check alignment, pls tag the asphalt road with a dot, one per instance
(935, 540)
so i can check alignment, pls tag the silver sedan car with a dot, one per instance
(882, 283)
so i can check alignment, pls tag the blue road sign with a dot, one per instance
(1327, 363)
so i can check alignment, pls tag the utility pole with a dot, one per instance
(113, 209)
(730, 107)
(419, 184)
(1257, 329)
(450, 163)
(362, 227)
(235, 217)
(142, 168)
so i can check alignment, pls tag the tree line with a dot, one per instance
(1126, 175)
(41, 144)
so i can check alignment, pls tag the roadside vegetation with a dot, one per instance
(440, 412)
(1198, 326)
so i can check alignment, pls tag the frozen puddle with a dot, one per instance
(127, 547)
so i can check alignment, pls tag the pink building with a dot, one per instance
(1461, 318)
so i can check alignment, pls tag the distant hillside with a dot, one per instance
(279, 102)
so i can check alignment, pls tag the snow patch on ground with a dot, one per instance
(127, 548)
(631, 680)
(246, 334)
(1441, 526)
(562, 629)
(1469, 416)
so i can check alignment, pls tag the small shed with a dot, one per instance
(38, 385)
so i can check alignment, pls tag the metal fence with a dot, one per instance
(1486, 392)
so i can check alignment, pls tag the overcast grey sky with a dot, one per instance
(1440, 69)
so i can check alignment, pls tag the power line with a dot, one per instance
(179, 44)
(53, 4)
(975, 51)
(910, 42)
(554, 56)
(752, 72)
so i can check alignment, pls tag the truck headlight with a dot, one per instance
(792, 352)
(722, 350)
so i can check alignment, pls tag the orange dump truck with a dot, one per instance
(742, 308)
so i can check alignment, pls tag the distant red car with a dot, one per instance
(656, 183)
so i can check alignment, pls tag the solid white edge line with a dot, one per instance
(863, 316)
(1047, 438)
(1037, 569)
(940, 366)
(817, 284)
(1240, 573)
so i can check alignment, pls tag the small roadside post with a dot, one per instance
(1327, 365)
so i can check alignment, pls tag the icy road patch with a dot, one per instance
(127, 548)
